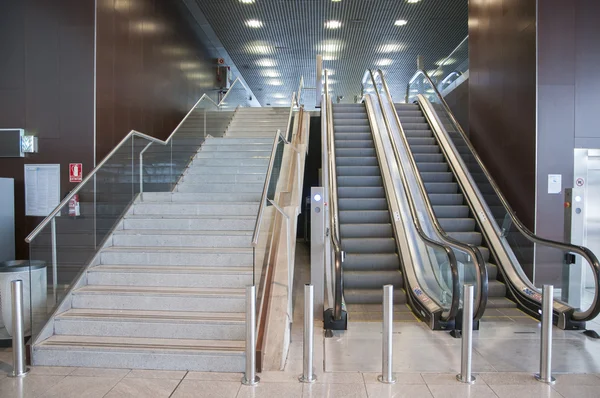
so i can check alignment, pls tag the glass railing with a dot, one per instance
(435, 271)
(518, 241)
(71, 236)
(449, 70)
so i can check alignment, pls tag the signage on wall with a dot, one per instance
(75, 172)
(580, 182)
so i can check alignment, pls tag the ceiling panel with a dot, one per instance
(273, 57)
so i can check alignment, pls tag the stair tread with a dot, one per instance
(153, 290)
(185, 216)
(152, 315)
(181, 232)
(142, 268)
(94, 343)
(225, 250)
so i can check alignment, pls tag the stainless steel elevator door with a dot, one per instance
(592, 214)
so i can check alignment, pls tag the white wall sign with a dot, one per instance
(42, 189)
(554, 183)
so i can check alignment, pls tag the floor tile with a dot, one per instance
(402, 378)
(577, 379)
(508, 378)
(381, 390)
(157, 374)
(340, 378)
(271, 390)
(530, 391)
(278, 377)
(206, 389)
(50, 370)
(81, 387)
(462, 391)
(31, 386)
(440, 378)
(334, 391)
(143, 388)
(214, 376)
(100, 372)
(569, 391)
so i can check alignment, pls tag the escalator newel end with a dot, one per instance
(591, 333)
(331, 324)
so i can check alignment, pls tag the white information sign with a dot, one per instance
(554, 183)
(42, 189)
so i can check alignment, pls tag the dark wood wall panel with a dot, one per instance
(502, 96)
(151, 70)
(47, 88)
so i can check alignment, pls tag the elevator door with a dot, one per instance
(592, 213)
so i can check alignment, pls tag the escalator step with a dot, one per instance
(369, 245)
(474, 238)
(351, 129)
(355, 152)
(371, 261)
(363, 204)
(428, 157)
(355, 161)
(457, 224)
(436, 176)
(414, 126)
(446, 199)
(432, 167)
(358, 171)
(419, 133)
(366, 230)
(355, 144)
(418, 149)
(361, 192)
(372, 279)
(359, 181)
(421, 141)
(451, 211)
(353, 136)
(441, 187)
(364, 217)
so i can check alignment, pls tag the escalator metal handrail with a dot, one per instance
(453, 310)
(472, 250)
(333, 202)
(583, 251)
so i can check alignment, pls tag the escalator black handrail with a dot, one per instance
(333, 203)
(472, 250)
(583, 251)
(454, 306)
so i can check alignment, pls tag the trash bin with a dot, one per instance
(34, 292)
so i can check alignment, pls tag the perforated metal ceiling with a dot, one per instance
(273, 57)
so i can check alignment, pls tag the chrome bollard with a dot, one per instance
(545, 375)
(309, 332)
(18, 332)
(467, 336)
(387, 347)
(250, 378)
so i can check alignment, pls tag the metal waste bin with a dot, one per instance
(35, 287)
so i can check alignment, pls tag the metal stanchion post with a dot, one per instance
(250, 378)
(545, 375)
(387, 348)
(18, 332)
(309, 332)
(467, 336)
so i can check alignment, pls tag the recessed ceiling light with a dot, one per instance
(270, 73)
(247, 1)
(336, 1)
(329, 57)
(254, 23)
(266, 62)
(330, 72)
(275, 82)
(384, 62)
(401, 22)
(333, 24)
(391, 48)
(412, 1)
(259, 47)
(279, 96)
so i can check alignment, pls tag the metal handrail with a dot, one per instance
(265, 190)
(472, 250)
(333, 202)
(132, 133)
(584, 252)
(415, 216)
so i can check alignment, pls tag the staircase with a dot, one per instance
(365, 225)
(446, 197)
(169, 293)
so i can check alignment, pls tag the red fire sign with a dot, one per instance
(75, 172)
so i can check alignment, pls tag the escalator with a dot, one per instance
(470, 207)
(446, 196)
(367, 238)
